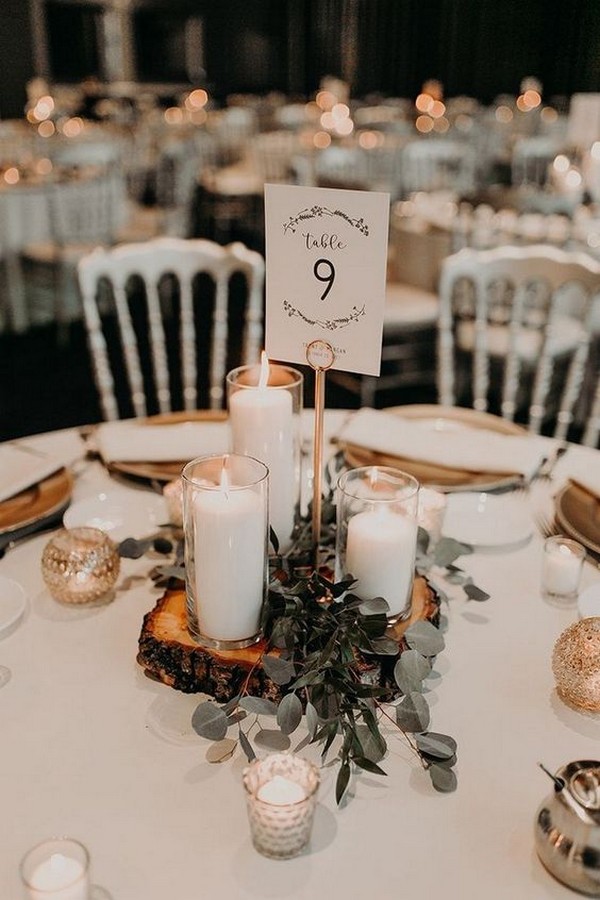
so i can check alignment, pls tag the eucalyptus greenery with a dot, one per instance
(336, 666)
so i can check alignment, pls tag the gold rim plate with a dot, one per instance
(578, 514)
(442, 478)
(164, 472)
(36, 503)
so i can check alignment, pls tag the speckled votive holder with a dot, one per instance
(80, 565)
(281, 795)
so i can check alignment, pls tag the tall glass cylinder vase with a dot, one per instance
(265, 406)
(225, 503)
(376, 540)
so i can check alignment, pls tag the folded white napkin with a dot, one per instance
(137, 442)
(21, 467)
(474, 450)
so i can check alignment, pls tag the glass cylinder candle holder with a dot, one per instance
(281, 795)
(265, 406)
(225, 516)
(80, 565)
(56, 869)
(561, 568)
(376, 539)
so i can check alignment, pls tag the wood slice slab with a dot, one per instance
(168, 653)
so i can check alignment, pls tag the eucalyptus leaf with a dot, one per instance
(385, 646)
(441, 746)
(423, 539)
(236, 716)
(410, 670)
(412, 713)
(374, 606)
(272, 739)
(425, 638)
(341, 782)
(246, 746)
(475, 593)
(448, 549)
(442, 778)
(289, 713)
(221, 750)
(312, 720)
(231, 705)
(372, 749)
(279, 670)
(367, 765)
(259, 706)
(209, 721)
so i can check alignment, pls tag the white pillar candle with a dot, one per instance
(262, 426)
(562, 567)
(229, 556)
(58, 878)
(380, 554)
(280, 791)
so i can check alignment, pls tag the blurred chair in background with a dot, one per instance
(515, 329)
(147, 334)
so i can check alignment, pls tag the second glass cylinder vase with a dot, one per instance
(376, 541)
(265, 405)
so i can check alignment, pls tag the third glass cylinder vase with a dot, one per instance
(376, 542)
(265, 405)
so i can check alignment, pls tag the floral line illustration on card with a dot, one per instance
(329, 324)
(318, 212)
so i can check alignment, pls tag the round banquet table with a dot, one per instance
(93, 749)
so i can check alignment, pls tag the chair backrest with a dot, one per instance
(151, 261)
(518, 316)
(430, 164)
(87, 209)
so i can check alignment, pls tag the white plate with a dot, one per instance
(120, 515)
(588, 602)
(487, 520)
(13, 601)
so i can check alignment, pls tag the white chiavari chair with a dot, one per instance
(517, 322)
(151, 262)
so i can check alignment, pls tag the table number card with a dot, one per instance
(326, 254)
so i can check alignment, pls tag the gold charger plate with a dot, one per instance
(578, 514)
(164, 472)
(443, 478)
(36, 503)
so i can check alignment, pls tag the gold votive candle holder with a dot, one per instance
(281, 796)
(80, 565)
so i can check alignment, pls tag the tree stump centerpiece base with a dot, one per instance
(169, 654)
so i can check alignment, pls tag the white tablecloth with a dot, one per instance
(93, 749)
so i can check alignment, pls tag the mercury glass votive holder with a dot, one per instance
(225, 520)
(376, 538)
(80, 565)
(562, 565)
(281, 796)
(265, 407)
(56, 869)
(576, 664)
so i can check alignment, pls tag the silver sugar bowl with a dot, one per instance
(567, 826)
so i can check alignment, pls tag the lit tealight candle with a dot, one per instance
(281, 791)
(563, 561)
(48, 873)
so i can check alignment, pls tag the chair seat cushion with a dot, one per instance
(529, 340)
(407, 306)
